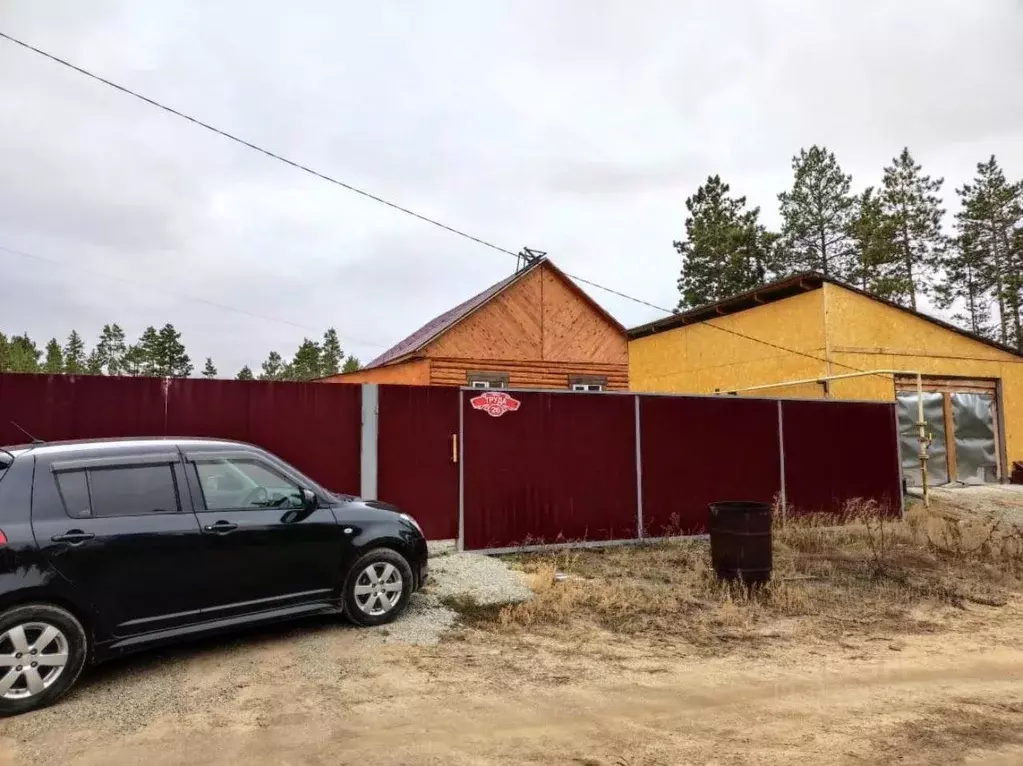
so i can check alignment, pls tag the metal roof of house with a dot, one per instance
(786, 288)
(444, 322)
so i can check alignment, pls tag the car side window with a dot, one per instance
(138, 490)
(233, 484)
(74, 493)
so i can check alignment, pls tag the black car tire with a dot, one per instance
(383, 556)
(77, 644)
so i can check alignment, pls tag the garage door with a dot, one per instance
(962, 418)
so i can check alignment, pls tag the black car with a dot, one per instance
(111, 546)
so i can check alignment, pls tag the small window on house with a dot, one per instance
(487, 379)
(587, 383)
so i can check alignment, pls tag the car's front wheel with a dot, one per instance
(42, 651)
(378, 587)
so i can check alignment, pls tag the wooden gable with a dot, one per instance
(541, 317)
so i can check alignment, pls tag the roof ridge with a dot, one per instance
(444, 321)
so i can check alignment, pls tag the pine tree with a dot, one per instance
(991, 212)
(306, 364)
(333, 356)
(209, 371)
(169, 359)
(966, 283)
(4, 353)
(352, 364)
(875, 262)
(910, 200)
(22, 354)
(74, 354)
(54, 360)
(244, 373)
(1014, 281)
(726, 250)
(147, 353)
(111, 348)
(94, 363)
(134, 363)
(273, 367)
(817, 214)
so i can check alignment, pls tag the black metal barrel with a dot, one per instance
(740, 541)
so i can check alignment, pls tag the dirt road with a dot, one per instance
(326, 694)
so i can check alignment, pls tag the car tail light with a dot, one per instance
(3, 538)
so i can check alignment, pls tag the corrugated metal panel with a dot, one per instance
(699, 451)
(839, 451)
(56, 407)
(313, 426)
(561, 467)
(415, 467)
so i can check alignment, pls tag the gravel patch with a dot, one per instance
(487, 580)
(424, 622)
(484, 579)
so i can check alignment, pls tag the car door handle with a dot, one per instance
(221, 527)
(73, 537)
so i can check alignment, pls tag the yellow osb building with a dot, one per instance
(809, 327)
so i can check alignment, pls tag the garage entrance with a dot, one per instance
(962, 418)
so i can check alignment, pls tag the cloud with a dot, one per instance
(575, 127)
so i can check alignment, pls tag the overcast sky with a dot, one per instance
(577, 127)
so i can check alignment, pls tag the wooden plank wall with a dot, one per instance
(528, 374)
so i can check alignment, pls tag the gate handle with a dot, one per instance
(454, 448)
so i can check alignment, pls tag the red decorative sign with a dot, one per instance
(495, 403)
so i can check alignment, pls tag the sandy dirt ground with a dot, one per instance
(1005, 499)
(323, 693)
(857, 670)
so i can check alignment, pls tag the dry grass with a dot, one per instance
(857, 570)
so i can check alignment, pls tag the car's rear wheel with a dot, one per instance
(42, 651)
(378, 587)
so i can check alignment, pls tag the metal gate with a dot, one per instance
(545, 467)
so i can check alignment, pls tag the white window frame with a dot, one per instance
(588, 387)
(496, 380)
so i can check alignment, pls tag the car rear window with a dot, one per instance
(74, 493)
(132, 491)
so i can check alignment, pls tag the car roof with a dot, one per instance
(130, 445)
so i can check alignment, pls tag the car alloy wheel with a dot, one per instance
(378, 588)
(33, 656)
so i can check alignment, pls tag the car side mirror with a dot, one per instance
(309, 500)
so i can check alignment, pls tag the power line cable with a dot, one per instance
(302, 167)
(373, 197)
(183, 296)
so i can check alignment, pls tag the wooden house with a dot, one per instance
(535, 329)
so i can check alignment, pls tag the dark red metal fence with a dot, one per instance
(315, 427)
(560, 467)
(417, 468)
(840, 451)
(698, 451)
